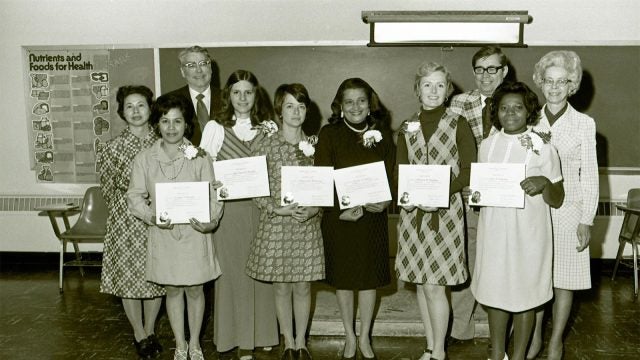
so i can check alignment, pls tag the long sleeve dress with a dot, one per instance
(514, 257)
(431, 245)
(244, 308)
(356, 253)
(181, 256)
(125, 244)
(574, 135)
(284, 249)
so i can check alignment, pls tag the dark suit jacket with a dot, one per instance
(214, 106)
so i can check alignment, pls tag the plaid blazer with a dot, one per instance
(469, 105)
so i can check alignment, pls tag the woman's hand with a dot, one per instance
(304, 213)
(287, 210)
(534, 185)
(165, 225)
(215, 185)
(352, 214)
(377, 207)
(584, 237)
(423, 208)
(203, 227)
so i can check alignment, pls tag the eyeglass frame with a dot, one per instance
(558, 83)
(192, 65)
(488, 69)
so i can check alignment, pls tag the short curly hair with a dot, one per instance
(124, 91)
(166, 103)
(529, 98)
(427, 68)
(566, 59)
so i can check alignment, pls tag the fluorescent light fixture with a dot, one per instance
(446, 28)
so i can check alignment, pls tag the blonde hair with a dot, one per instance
(565, 59)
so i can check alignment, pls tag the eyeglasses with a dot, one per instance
(558, 83)
(479, 70)
(193, 65)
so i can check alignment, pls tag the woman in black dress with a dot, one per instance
(356, 240)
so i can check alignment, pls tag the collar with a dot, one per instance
(194, 93)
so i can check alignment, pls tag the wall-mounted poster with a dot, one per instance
(68, 109)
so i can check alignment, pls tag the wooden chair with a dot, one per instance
(630, 233)
(90, 227)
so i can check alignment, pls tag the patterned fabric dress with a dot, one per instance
(284, 249)
(244, 308)
(125, 244)
(574, 135)
(429, 253)
(356, 253)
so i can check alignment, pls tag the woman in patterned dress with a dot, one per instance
(244, 309)
(513, 262)
(288, 247)
(431, 240)
(180, 256)
(558, 75)
(125, 244)
(356, 241)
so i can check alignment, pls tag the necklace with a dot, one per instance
(354, 129)
(177, 173)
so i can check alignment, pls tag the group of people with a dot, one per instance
(264, 256)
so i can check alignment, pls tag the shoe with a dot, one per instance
(366, 358)
(144, 348)
(196, 354)
(288, 354)
(181, 354)
(303, 354)
(351, 357)
(156, 347)
(426, 354)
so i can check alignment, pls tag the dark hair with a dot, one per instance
(298, 91)
(127, 90)
(164, 104)
(529, 98)
(261, 109)
(379, 117)
(487, 51)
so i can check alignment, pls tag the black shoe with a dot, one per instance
(144, 348)
(156, 347)
(303, 354)
(288, 354)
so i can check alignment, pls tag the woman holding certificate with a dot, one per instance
(180, 256)
(513, 263)
(430, 239)
(288, 247)
(558, 75)
(244, 310)
(125, 245)
(356, 242)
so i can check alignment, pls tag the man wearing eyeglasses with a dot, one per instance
(490, 68)
(195, 67)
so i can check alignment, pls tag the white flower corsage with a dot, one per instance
(411, 127)
(308, 146)
(533, 143)
(371, 137)
(192, 152)
(267, 127)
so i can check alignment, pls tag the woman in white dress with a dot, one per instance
(513, 262)
(558, 75)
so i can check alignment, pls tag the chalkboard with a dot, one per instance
(609, 92)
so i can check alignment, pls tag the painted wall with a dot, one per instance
(164, 23)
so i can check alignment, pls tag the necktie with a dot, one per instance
(201, 112)
(486, 118)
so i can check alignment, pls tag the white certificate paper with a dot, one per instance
(181, 201)
(307, 185)
(362, 184)
(242, 178)
(426, 185)
(497, 184)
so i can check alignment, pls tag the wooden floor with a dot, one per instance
(36, 322)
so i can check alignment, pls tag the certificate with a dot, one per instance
(181, 201)
(497, 184)
(426, 185)
(362, 184)
(242, 178)
(307, 185)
